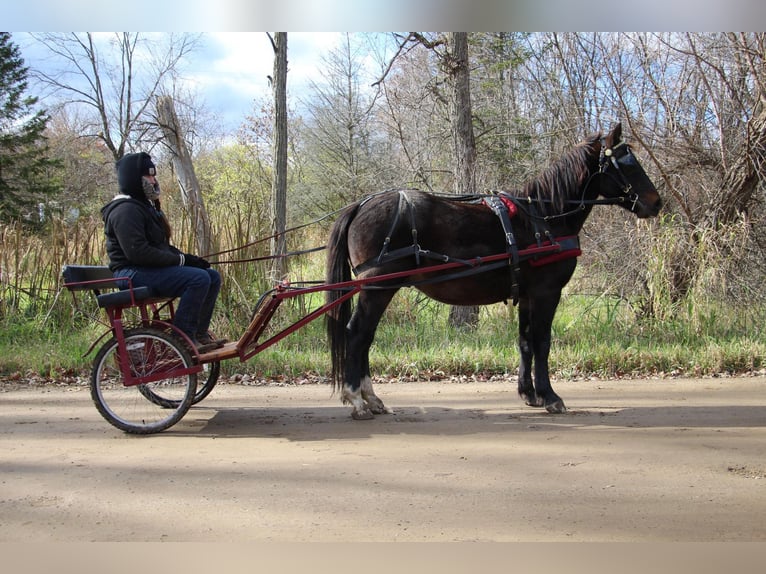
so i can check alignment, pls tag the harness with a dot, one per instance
(505, 207)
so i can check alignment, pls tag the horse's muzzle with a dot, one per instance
(648, 207)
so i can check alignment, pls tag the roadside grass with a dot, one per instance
(592, 337)
(44, 334)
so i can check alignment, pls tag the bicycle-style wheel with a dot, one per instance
(151, 353)
(210, 371)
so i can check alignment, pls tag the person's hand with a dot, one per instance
(195, 261)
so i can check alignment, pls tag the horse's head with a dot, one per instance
(626, 182)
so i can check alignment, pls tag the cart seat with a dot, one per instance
(98, 277)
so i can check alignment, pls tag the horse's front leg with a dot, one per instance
(535, 322)
(543, 311)
(525, 385)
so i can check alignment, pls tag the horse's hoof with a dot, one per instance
(556, 408)
(532, 400)
(362, 414)
(377, 407)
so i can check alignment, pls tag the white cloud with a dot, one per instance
(231, 71)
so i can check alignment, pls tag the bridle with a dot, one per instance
(606, 159)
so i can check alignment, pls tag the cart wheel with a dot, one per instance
(159, 397)
(212, 370)
(150, 351)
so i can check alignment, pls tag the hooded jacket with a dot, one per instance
(135, 234)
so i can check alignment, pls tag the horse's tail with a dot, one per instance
(338, 271)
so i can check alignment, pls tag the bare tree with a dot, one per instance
(454, 62)
(340, 121)
(186, 176)
(279, 181)
(415, 119)
(458, 71)
(115, 81)
(457, 67)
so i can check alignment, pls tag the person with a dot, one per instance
(138, 245)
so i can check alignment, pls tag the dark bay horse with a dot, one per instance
(407, 230)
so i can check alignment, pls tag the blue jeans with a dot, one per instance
(197, 290)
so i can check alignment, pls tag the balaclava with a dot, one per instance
(131, 169)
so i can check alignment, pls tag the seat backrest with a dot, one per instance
(94, 277)
(98, 277)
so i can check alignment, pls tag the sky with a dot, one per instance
(232, 68)
(229, 70)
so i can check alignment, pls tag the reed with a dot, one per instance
(713, 329)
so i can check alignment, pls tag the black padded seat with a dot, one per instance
(98, 277)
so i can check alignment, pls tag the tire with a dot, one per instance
(213, 370)
(158, 397)
(126, 407)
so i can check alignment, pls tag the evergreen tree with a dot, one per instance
(25, 178)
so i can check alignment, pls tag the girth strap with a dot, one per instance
(504, 208)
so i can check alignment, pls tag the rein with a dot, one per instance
(274, 236)
(606, 159)
(285, 232)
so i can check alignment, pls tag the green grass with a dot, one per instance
(592, 336)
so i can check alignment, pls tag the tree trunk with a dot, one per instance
(740, 183)
(191, 194)
(279, 181)
(465, 145)
(461, 113)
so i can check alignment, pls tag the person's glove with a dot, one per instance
(195, 261)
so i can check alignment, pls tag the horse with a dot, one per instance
(407, 230)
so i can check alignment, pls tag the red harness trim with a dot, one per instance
(509, 205)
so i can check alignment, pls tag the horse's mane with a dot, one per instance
(562, 178)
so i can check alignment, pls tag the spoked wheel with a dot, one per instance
(151, 353)
(157, 395)
(212, 370)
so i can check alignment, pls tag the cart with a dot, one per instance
(147, 373)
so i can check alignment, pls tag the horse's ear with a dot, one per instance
(615, 136)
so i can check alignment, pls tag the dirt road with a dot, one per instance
(645, 460)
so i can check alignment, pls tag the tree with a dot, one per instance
(341, 130)
(455, 63)
(279, 185)
(24, 165)
(184, 168)
(114, 82)
(458, 71)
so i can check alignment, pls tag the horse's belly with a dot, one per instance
(481, 289)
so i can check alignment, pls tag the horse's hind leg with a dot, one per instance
(357, 388)
(368, 393)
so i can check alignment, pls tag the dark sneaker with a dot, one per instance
(203, 348)
(207, 340)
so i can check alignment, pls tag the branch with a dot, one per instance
(409, 42)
